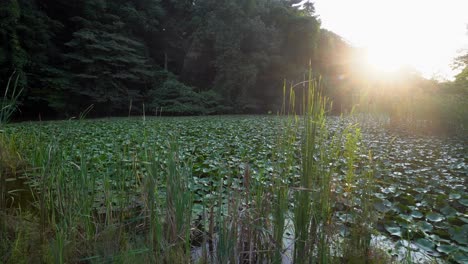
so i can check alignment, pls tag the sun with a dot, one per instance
(384, 60)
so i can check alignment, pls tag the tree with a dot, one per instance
(108, 68)
(461, 79)
(109, 53)
(12, 54)
(245, 48)
(27, 36)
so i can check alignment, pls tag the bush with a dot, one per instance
(175, 98)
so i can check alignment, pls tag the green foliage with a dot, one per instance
(26, 45)
(108, 52)
(461, 79)
(9, 101)
(13, 53)
(175, 98)
(105, 183)
(246, 47)
(99, 54)
(227, 57)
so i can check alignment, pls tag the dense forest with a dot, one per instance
(184, 56)
(178, 57)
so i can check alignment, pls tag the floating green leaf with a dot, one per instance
(416, 214)
(425, 226)
(448, 211)
(393, 229)
(383, 206)
(461, 258)
(447, 249)
(434, 217)
(459, 234)
(463, 202)
(425, 244)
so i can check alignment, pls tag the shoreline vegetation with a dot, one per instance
(294, 188)
(175, 58)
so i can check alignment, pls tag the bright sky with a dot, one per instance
(424, 34)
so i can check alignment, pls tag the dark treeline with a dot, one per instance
(184, 56)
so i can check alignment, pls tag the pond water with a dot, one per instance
(421, 195)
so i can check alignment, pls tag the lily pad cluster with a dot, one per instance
(422, 191)
(420, 196)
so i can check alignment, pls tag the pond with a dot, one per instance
(420, 197)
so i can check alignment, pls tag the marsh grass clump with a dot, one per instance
(332, 175)
(14, 191)
(9, 101)
(19, 229)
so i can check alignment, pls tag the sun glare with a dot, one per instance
(384, 61)
(423, 34)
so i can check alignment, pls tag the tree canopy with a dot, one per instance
(184, 56)
(194, 57)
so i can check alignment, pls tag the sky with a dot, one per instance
(423, 34)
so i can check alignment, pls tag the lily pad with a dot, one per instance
(416, 214)
(434, 217)
(454, 196)
(447, 249)
(448, 211)
(459, 234)
(463, 202)
(393, 229)
(404, 217)
(459, 257)
(383, 206)
(420, 190)
(347, 218)
(425, 244)
(425, 226)
(439, 239)
(380, 195)
(344, 231)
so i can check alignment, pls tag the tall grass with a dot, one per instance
(9, 102)
(319, 188)
(293, 217)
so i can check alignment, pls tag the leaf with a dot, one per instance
(425, 244)
(406, 218)
(393, 229)
(434, 217)
(459, 257)
(420, 190)
(416, 214)
(425, 226)
(448, 211)
(383, 206)
(198, 209)
(344, 231)
(447, 249)
(459, 234)
(347, 218)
